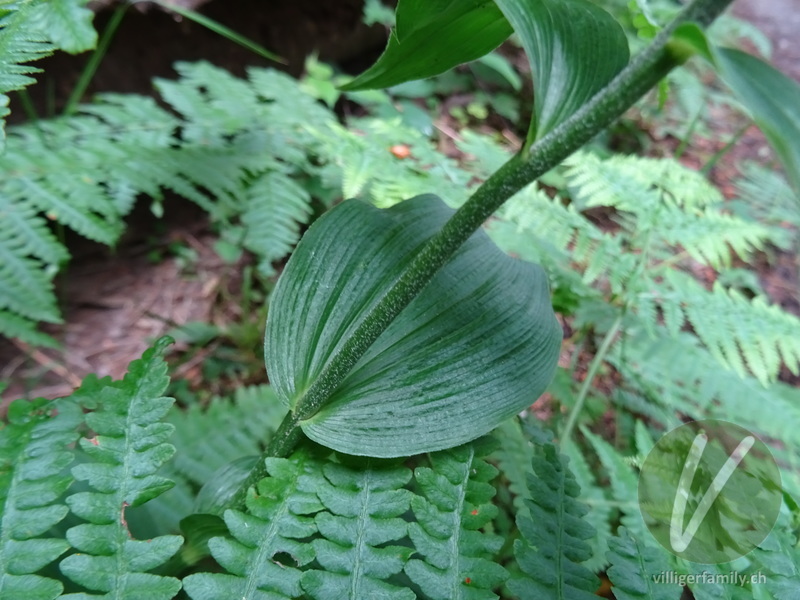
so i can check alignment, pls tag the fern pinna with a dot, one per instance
(456, 556)
(34, 457)
(553, 543)
(128, 445)
(118, 462)
(279, 516)
(33, 29)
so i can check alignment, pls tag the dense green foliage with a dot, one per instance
(118, 492)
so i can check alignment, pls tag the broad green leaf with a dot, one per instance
(433, 36)
(575, 48)
(772, 98)
(478, 345)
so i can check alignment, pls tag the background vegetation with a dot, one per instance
(669, 245)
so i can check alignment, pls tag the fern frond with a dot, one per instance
(32, 30)
(765, 195)
(14, 326)
(20, 44)
(624, 484)
(714, 582)
(513, 453)
(207, 439)
(543, 230)
(454, 505)
(779, 556)
(699, 387)
(276, 207)
(66, 23)
(637, 184)
(635, 568)
(364, 505)
(710, 236)
(34, 451)
(278, 519)
(24, 287)
(554, 536)
(747, 336)
(599, 513)
(128, 447)
(362, 154)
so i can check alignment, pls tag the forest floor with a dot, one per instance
(165, 273)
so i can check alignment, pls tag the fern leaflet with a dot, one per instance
(779, 555)
(34, 451)
(599, 513)
(34, 29)
(208, 438)
(128, 447)
(276, 206)
(635, 567)
(452, 509)
(276, 522)
(554, 544)
(364, 508)
(624, 484)
(744, 335)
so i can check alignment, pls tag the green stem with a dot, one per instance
(644, 72)
(283, 440)
(712, 162)
(94, 62)
(587, 382)
(688, 135)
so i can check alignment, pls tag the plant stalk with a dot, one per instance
(643, 72)
(94, 61)
(587, 382)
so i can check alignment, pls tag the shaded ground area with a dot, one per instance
(116, 303)
(780, 20)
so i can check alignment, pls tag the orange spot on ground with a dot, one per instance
(400, 151)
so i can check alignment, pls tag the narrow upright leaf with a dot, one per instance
(478, 345)
(575, 48)
(433, 36)
(772, 98)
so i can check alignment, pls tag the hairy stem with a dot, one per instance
(644, 72)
